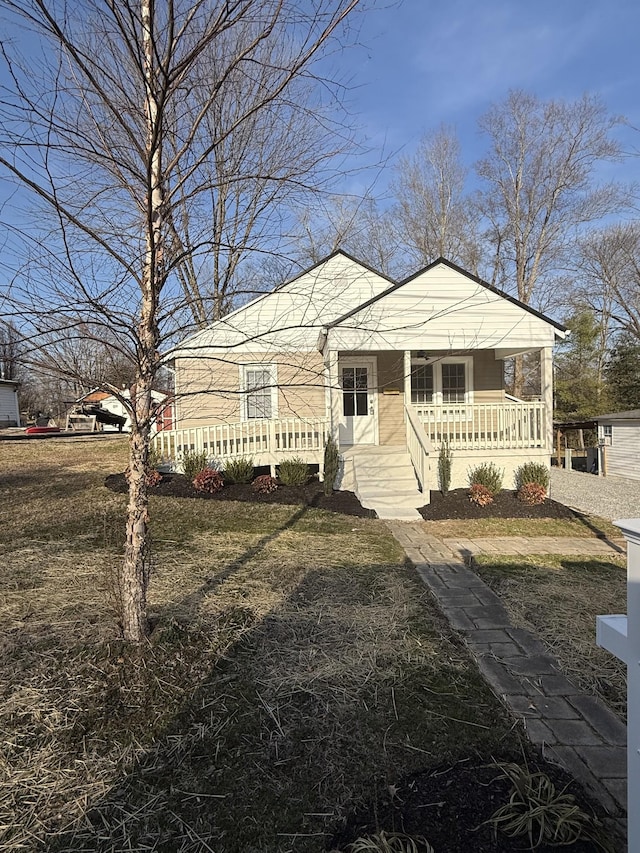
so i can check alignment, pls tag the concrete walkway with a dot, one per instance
(573, 729)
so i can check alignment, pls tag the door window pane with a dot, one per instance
(355, 391)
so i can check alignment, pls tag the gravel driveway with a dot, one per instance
(608, 497)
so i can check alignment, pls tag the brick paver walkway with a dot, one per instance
(575, 730)
(569, 545)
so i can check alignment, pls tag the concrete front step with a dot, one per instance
(384, 481)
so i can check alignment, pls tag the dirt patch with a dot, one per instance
(456, 504)
(450, 806)
(311, 494)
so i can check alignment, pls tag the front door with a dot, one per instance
(358, 417)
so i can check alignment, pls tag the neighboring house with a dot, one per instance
(9, 406)
(110, 403)
(619, 443)
(394, 366)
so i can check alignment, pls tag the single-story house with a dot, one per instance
(9, 406)
(619, 444)
(384, 366)
(110, 403)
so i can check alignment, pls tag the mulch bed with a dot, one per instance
(456, 504)
(312, 494)
(449, 806)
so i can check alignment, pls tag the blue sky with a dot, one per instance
(427, 62)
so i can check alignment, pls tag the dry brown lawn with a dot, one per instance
(297, 668)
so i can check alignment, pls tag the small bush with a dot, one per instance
(208, 480)
(488, 475)
(193, 461)
(445, 461)
(331, 465)
(264, 484)
(533, 472)
(239, 470)
(480, 495)
(155, 457)
(531, 494)
(293, 472)
(153, 477)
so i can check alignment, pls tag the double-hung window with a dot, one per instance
(441, 381)
(260, 397)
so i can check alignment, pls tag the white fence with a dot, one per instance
(485, 426)
(264, 440)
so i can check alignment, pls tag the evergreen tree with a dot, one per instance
(623, 374)
(581, 391)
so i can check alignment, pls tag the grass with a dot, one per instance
(559, 598)
(587, 526)
(297, 669)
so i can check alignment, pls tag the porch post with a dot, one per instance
(546, 390)
(407, 380)
(331, 362)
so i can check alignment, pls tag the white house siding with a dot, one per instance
(442, 309)
(9, 409)
(290, 317)
(623, 456)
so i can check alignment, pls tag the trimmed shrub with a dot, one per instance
(208, 480)
(488, 475)
(239, 470)
(331, 465)
(532, 472)
(445, 461)
(480, 495)
(531, 494)
(193, 462)
(264, 484)
(293, 472)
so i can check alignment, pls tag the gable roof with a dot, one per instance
(393, 314)
(396, 285)
(632, 415)
(293, 311)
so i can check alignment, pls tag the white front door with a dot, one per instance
(358, 417)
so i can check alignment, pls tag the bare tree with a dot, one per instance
(358, 225)
(539, 185)
(111, 128)
(263, 163)
(610, 285)
(9, 351)
(435, 216)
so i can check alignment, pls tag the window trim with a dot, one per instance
(273, 382)
(436, 364)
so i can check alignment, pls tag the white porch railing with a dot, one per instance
(264, 440)
(418, 445)
(485, 426)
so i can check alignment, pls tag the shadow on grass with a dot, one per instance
(350, 683)
(587, 522)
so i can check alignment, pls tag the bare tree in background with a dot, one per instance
(265, 160)
(610, 284)
(359, 226)
(435, 216)
(9, 351)
(539, 186)
(112, 125)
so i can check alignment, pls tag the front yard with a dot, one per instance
(297, 673)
